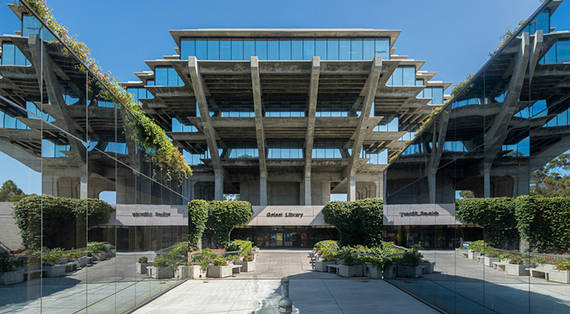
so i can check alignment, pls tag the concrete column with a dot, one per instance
(308, 191)
(262, 190)
(83, 192)
(351, 196)
(219, 187)
(432, 186)
(380, 186)
(487, 181)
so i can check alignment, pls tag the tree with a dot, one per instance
(552, 179)
(9, 192)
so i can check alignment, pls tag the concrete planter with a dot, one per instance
(182, 272)
(410, 271)
(12, 277)
(562, 276)
(160, 272)
(83, 261)
(99, 256)
(517, 270)
(462, 252)
(196, 272)
(55, 270)
(351, 270)
(246, 266)
(141, 268)
(427, 267)
(490, 260)
(71, 266)
(219, 271)
(322, 266)
(390, 272)
(472, 254)
(374, 271)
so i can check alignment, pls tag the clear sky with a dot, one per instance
(454, 37)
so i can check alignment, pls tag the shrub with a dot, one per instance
(242, 246)
(388, 249)
(143, 260)
(220, 261)
(410, 258)
(96, 247)
(564, 265)
(544, 222)
(495, 215)
(359, 222)
(9, 263)
(50, 257)
(58, 217)
(197, 218)
(516, 260)
(204, 258)
(328, 249)
(161, 261)
(248, 258)
(224, 216)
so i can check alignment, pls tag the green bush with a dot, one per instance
(410, 258)
(544, 222)
(328, 249)
(61, 218)
(495, 215)
(10, 263)
(50, 257)
(220, 261)
(197, 218)
(359, 222)
(516, 260)
(96, 247)
(223, 216)
(564, 265)
(204, 258)
(143, 260)
(243, 246)
(161, 261)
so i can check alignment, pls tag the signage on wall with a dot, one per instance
(286, 214)
(418, 213)
(151, 214)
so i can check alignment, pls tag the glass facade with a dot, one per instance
(167, 76)
(403, 76)
(285, 49)
(285, 150)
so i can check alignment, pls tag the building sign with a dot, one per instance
(293, 215)
(150, 215)
(419, 214)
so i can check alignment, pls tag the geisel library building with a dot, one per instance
(287, 119)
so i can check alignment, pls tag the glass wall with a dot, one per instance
(285, 49)
(66, 150)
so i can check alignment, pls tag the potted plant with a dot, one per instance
(352, 265)
(11, 271)
(475, 248)
(390, 269)
(97, 250)
(82, 258)
(142, 265)
(561, 273)
(247, 264)
(374, 266)
(327, 252)
(517, 267)
(51, 260)
(427, 266)
(160, 269)
(200, 262)
(409, 264)
(491, 256)
(220, 268)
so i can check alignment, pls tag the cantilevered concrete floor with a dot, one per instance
(311, 292)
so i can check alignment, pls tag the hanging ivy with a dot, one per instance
(145, 132)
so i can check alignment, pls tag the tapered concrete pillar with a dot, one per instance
(487, 181)
(380, 186)
(219, 187)
(308, 191)
(263, 191)
(432, 187)
(351, 196)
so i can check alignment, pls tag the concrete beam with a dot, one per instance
(311, 117)
(198, 86)
(259, 132)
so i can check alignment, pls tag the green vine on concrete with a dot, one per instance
(145, 132)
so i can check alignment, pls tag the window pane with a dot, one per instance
(225, 50)
(161, 77)
(284, 50)
(308, 49)
(437, 95)
(382, 48)
(201, 49)
(8, 56)
(409, 76)
(397, 77)
(248, 49)
(321, 49)
(237, 49)
(368, 53)
(261, 49)
(344, 50)
(187, 48)
(272, 50)
(296, 50)
(213, 50)
(356, 49)
(332, 49)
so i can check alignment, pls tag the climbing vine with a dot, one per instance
(145, 132)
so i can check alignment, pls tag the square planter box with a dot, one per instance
(196, 272)
(182, 272)
(83, 261)
(219, 271)
(427, 267)
(55, 270)
(246, 266)
(351, 271)
(374, 271)
(390, 272)
(322, 266)
(162, 272)
(517, 270)
(12, 277)
(473, 255)
(141, 268)
(410, 271)
(562, 276)
(490, 260)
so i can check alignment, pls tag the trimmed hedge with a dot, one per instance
(544, 222)
(223, 216)
(495, 215)
(61, 218)
(197, 218)
(359, 222)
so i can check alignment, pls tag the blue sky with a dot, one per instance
(454, 37)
